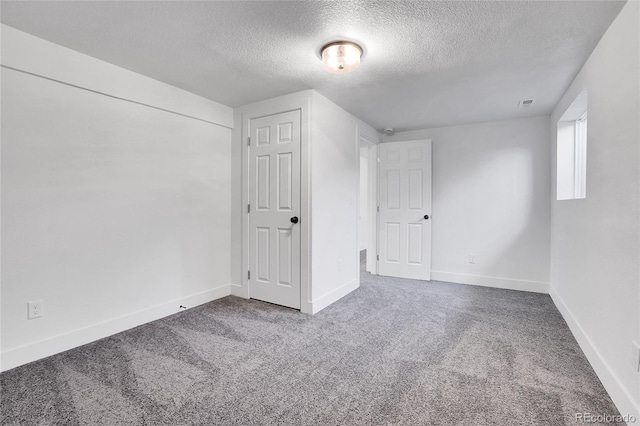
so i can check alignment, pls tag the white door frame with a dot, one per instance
(300, 102)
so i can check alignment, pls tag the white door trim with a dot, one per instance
(300, 102)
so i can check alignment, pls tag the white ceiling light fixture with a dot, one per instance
(341, 57)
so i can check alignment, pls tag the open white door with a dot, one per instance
(274, 209)
(404, 228)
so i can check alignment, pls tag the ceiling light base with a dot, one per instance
(341, 57)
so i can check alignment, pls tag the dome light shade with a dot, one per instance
(341, 57)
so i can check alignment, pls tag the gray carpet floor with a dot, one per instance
(394, 351)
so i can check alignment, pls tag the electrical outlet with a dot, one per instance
(34, 309)
(635, 355)
(472, 258)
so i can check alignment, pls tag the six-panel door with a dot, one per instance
(274, 197)
(405, 209)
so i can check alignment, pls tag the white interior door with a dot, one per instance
(274, 209)
(405, 209)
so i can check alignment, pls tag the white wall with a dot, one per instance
(335, 182)
(595, 242)
(490, 199)
(115, 198)
(239, 220)
(330, 177)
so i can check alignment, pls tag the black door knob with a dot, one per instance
(426, 216)
(294, 219)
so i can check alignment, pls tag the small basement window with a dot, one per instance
(572, 151)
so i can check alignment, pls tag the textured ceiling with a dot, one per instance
(427, 64)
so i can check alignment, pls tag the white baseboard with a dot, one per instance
(306, 307)
(506, 283)
(331, 297)
(240, 291)
(37, 350)
(622, 397)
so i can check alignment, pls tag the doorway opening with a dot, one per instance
(367, 217)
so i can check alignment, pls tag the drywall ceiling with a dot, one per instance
(427, 64)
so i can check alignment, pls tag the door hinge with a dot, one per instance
(248, 208)
(248, 275)
(377, 257)
(378, 209)
(248, 140)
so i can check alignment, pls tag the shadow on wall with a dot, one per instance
(491, 200)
